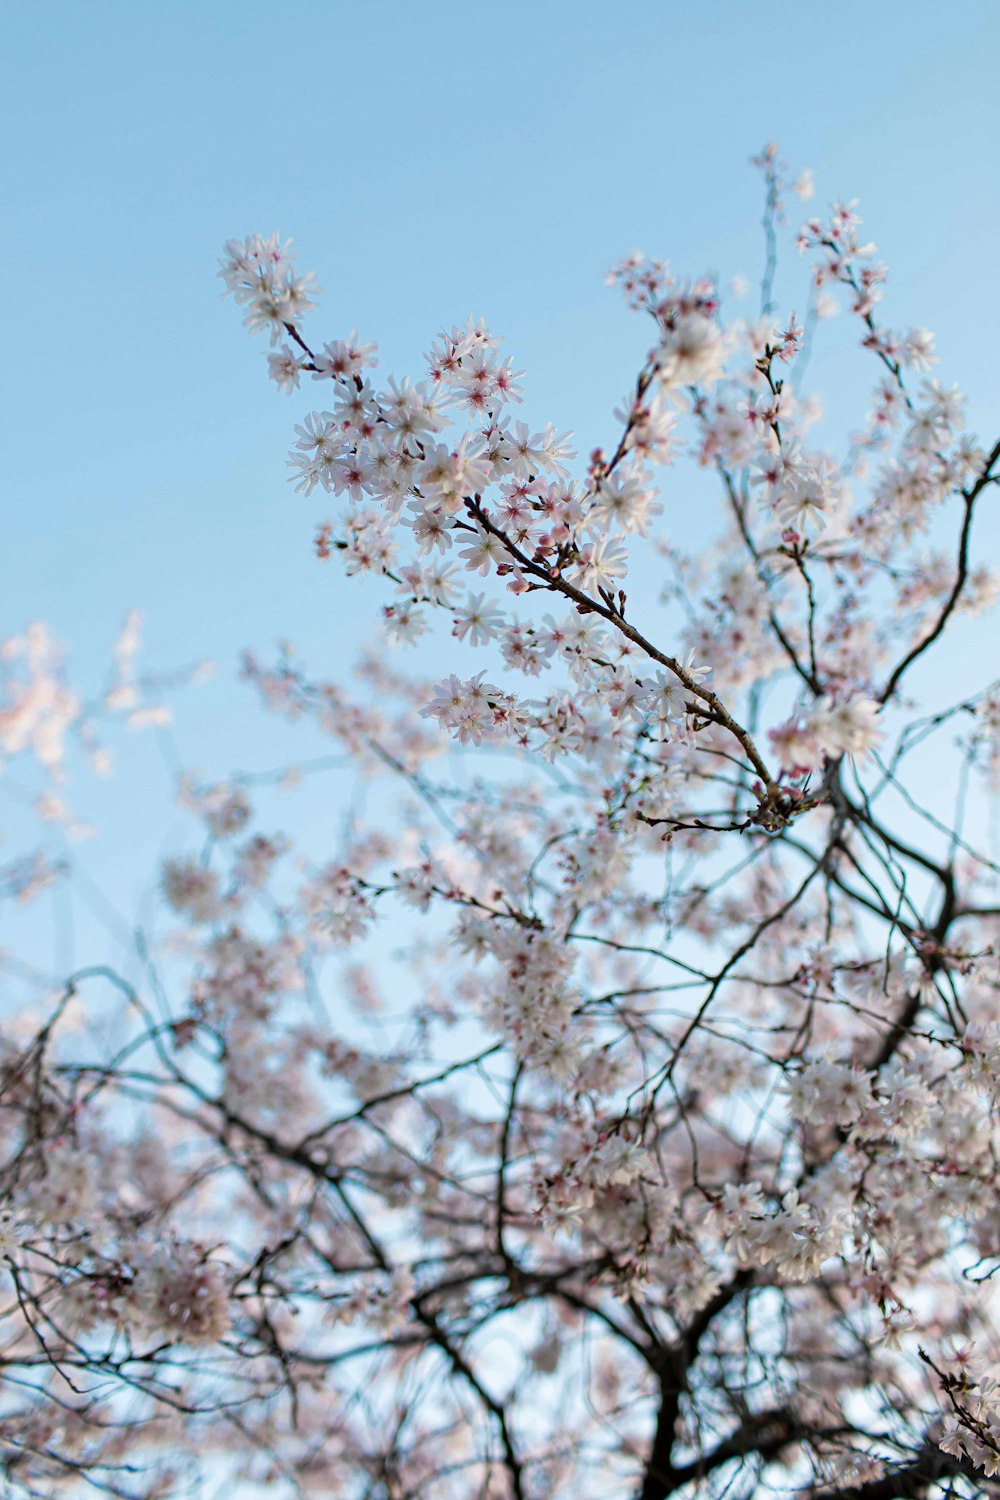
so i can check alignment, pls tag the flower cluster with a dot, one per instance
(260, 275)
(972, 1431)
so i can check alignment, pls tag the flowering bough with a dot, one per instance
(655, 1153)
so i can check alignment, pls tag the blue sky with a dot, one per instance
(430, 161)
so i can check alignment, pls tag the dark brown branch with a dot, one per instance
(948, 609)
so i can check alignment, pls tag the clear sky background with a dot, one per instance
(430, 161)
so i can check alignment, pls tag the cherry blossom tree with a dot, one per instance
(612, 1113)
